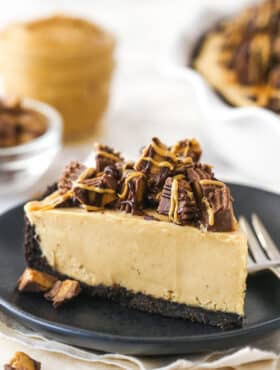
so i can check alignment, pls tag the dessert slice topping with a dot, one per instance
(168, 180)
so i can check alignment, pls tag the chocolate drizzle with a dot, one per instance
(167, 180)
(132, 193)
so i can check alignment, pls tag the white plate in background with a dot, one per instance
(247, 138)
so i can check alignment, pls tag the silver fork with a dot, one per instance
(263, 253)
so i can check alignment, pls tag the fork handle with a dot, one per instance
(255, 267)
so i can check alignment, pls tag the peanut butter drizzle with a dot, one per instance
(158, 164)
(128, 178)
(211, 182)
(173, 211)
(163, 152)
(209, 211)
(50, 202)
(95, 189)
(90, 208)
(177, 147)
(187, 160)
(108, 155)
(160, 151)
(88, 172)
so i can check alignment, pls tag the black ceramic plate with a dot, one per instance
(104, 326)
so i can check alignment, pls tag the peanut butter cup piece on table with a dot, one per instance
(21, 361)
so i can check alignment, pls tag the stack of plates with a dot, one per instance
(66, 62)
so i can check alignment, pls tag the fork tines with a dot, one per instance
(263, 253)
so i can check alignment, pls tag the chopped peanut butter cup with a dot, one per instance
(132, 193)
(170, 180)
(178, 202)
(106, 156)
(70, 174)
(216, 206)
(35, 281)
(95, 191)
(63, 292)
(157, 162)
(22, 361)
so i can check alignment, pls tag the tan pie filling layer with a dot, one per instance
(179, 263)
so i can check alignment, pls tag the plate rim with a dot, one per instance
(64, 329)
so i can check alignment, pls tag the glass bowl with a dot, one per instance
(22, 165)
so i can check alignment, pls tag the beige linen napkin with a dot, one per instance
(262, 355)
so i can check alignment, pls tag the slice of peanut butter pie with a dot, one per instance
(158, 235)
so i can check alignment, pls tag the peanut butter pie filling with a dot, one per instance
(158, 234)
(240, 57)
